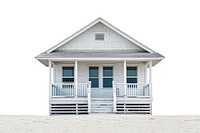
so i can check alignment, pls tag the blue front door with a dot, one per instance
(101, 78)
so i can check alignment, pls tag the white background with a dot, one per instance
(169, 27)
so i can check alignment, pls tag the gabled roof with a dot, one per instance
(86, 55)
(94, 23)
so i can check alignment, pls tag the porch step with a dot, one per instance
(101, 105)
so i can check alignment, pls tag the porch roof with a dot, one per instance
(99, 55)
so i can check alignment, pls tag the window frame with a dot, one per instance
(69, 77)
(131, 77)
(94, 77)
(107, 77)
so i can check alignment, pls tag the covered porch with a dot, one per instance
(110, 78)
(84, 86)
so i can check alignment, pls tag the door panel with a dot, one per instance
(107, 77)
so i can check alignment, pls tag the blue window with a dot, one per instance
(132, 75)
(107, 71)
(68, 74)
(94, 76)
(107, 77)
(68, 71)
(131, 71)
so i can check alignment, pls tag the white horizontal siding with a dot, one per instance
(119, 72)
(112, 41)
(58, 73)
(141, 73)
(82, 72)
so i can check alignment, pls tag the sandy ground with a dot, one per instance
(101, 123)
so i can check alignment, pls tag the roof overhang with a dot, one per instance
(154, 60)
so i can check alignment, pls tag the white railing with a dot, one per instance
(82, 89)
(119, 89)
(68, 90)
(63, 90)
(133, 90)
(138, 90)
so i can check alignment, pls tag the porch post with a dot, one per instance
(145, 72)
(125, 86)
(150, 78)
(50, 86)
(89, 97)
(114, 98)
(76, 79)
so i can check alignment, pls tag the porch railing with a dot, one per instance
(133, 90)
(68, 90)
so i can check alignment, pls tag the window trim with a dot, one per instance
(94, 77)
(131, 65)
(104, 77)
(62, 77)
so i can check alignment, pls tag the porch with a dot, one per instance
(68, 99)
(101, 91)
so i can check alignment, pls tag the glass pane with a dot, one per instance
(107, 71)
(68, 71)
(107, 82)
(68, 79)
(131, 71)
(94, 82)
(131, 80)
(93, 72)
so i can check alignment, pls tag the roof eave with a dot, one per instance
(45, 60)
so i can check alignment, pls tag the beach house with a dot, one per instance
(100, 69)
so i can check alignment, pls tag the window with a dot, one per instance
(94, 77)
(131, 74)
(107, 77)
(68, 74)
(99, 36)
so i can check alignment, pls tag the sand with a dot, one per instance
(100, 123)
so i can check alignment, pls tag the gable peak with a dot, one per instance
(96, 21)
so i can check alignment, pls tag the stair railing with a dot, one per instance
(89, 97)
(114, 97)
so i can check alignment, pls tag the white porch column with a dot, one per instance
(50, 85)
(150, 78)
(89, 96)
(150, 72)
(145, 72)
(114, 98)
(76, 79)
(125, 86)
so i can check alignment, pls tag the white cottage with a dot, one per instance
(100, 69)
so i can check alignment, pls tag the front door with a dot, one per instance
(101, 78)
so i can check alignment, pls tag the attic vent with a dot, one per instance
(99, 36)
